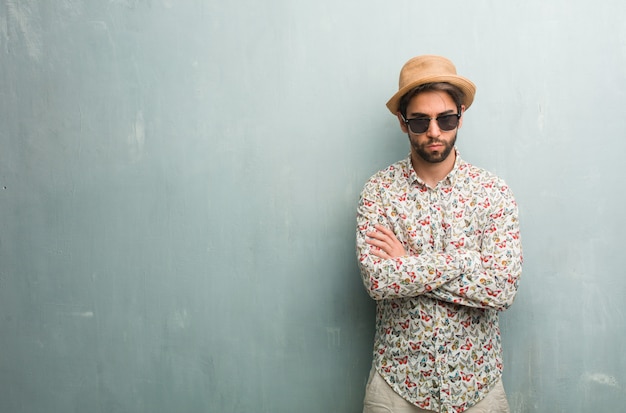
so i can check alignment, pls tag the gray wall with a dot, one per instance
(178, 183)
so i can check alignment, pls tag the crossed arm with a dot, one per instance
(485, 279)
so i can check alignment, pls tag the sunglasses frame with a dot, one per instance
(406, 122)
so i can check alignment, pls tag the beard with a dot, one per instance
(433, 156)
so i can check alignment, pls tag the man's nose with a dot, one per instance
(433, 129)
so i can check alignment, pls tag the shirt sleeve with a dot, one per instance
(405, 276)
(492, 281)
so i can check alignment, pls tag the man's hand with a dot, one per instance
(384, 243)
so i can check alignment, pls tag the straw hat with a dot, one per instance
(429, 69)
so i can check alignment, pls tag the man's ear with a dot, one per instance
(461, 118)
(402, 124)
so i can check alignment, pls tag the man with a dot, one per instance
(439, 249)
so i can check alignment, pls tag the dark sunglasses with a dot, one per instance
(421, 125)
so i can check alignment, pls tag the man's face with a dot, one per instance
(434, 145)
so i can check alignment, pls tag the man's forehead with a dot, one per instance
(431, 103)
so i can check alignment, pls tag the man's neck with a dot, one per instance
(433, 173)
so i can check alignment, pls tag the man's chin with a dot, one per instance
(433, 157)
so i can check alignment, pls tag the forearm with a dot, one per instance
(408, 276)
(491, 281)
(488, 288)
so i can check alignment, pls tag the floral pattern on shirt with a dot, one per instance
(437, 338)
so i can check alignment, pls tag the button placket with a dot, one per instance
(435, 221)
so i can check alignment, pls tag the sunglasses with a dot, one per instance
(421, 125)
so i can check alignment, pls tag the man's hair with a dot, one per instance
(455, 93)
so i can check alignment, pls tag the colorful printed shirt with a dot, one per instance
(437, 339)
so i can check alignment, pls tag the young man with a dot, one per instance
(439, 249)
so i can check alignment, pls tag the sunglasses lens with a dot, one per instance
(448, 122)
(419, 125)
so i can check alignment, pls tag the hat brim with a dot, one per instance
(467, 87)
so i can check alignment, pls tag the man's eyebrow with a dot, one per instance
(423, 115)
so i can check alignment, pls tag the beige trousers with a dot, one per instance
(380, 398)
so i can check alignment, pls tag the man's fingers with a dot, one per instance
(384, 250)
(379, 252)
(385, 230)
(377, 237)
(382, 234)
(378, 244)
(384, 243)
